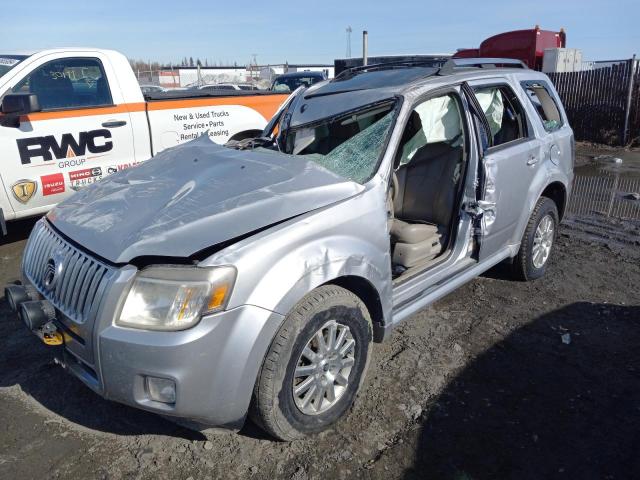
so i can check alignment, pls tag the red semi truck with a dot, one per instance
(525, 45)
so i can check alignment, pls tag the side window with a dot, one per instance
(504, 113)
(433, 123)
(544, 104)
(68, 83)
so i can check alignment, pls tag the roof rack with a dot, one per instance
(431, 62)
(454, 64)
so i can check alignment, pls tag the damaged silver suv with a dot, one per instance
(212, 282)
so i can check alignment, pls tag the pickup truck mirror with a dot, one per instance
(16, 104)
(20, 103)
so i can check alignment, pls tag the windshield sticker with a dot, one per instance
(10, 62)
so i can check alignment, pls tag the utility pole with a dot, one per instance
(349, 30)
(365, 47)
(254, 66)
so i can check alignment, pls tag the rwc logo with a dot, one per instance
(94, 141)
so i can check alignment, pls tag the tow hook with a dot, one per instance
(49, 334)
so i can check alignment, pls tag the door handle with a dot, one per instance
(114, 123)
(532, 160)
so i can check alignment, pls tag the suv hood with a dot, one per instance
(192, 197)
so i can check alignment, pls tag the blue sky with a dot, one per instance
(310, 31)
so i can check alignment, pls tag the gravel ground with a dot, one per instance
(500, 379)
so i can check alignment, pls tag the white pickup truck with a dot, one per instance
(71, 116)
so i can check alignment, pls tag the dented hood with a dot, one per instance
(192, 197)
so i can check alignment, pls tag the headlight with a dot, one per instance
(175, 298)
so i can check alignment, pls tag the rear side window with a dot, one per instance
(504, 113)
(544, 104)
(68, 83)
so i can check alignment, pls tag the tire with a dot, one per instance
(527, 265)
(274, 406)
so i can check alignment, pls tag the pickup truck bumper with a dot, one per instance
(214, 365)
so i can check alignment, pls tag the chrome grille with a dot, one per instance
(81, 279)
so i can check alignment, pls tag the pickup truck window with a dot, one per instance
(68, 83)
(7, 62)
(504, 113)
(544, 104)
(349, 145)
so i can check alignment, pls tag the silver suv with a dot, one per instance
(216, 281)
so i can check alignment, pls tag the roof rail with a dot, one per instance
(427, 62)
(470, 63)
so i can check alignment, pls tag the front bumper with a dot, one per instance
(214, 365)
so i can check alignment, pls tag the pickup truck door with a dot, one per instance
(509, 164)
(81, 134)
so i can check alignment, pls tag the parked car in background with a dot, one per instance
(73, 116)
(288, 82)
(214, 281)
(151, 89)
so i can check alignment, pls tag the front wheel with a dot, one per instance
(537, 242)
(315, 364)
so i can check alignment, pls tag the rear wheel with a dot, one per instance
(315, 364)
(537, 242)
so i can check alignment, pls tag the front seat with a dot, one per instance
(52, 92)
(424, 203)
(415, 242)
(103, 96)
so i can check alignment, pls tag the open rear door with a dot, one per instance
(509, 161)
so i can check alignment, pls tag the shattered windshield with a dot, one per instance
(349, 146)
(7, 62)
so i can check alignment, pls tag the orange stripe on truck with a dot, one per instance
(265, 105)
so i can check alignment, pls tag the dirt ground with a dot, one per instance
(500, 379)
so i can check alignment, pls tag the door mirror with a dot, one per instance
(16, 104)
(20, 103)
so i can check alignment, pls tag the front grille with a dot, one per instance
(80, 280)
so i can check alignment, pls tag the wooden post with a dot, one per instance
(627, 110)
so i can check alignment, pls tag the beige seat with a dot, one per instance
(424, 203)
(415, 242)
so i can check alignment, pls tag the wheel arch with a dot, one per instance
(557, 192)
(365, 291)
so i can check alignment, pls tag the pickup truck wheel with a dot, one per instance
(314, 366)
(537, 242)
